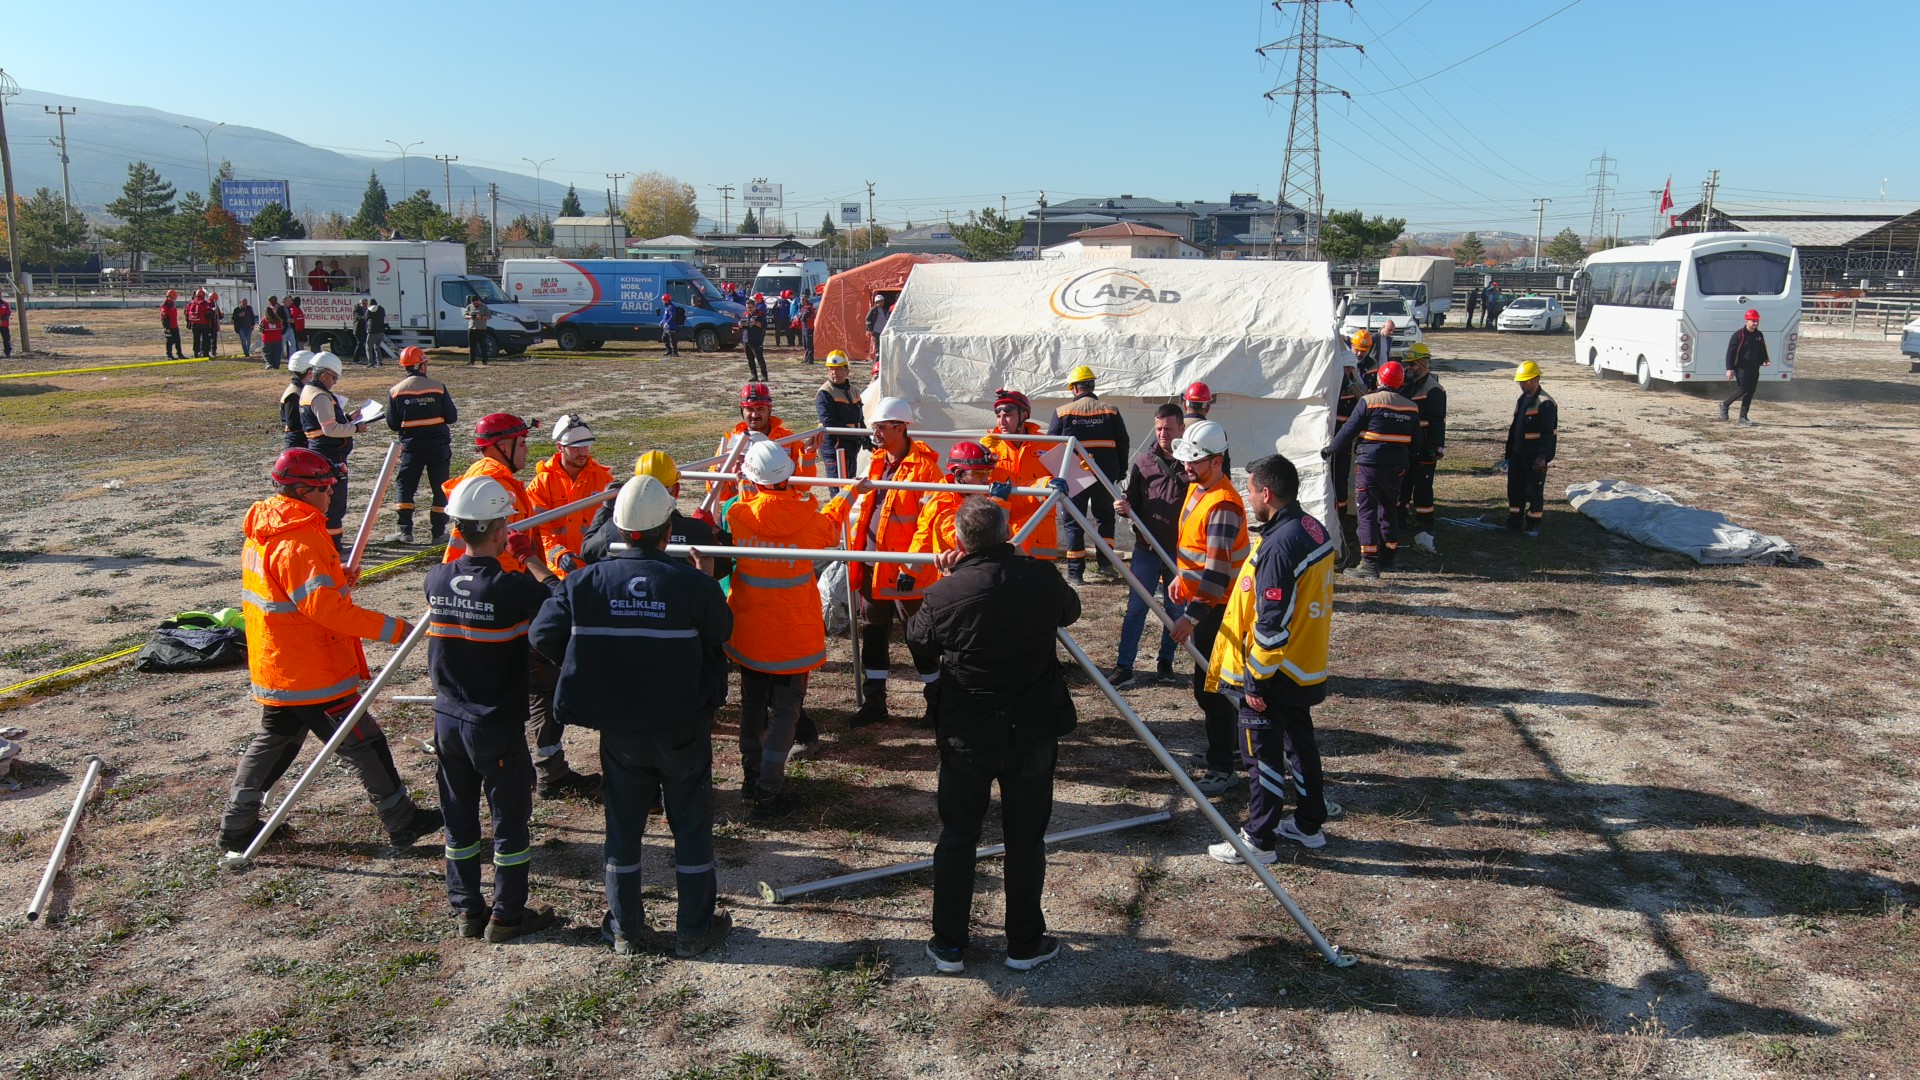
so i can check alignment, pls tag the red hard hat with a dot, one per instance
(759, 296)
(1752, 314)
(1199, 392)
(756, 393)
(1004, 396)
(496, 428)
(301, 466)
(969, 455)
(1393, 375)
(786, 294)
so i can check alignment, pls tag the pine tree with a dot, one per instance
(224, 172)
(749, 226)
(273, 220)
(373, 211)
(144, 208)
(826, 227)
(1469, 251)
(570, 206)
(50, 234)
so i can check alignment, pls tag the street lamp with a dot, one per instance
(206, 145)
(403, 162)
(538, 200)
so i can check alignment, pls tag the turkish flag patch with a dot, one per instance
(1314, 529)
(1276, 595)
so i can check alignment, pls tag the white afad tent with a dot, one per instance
(1260, 334)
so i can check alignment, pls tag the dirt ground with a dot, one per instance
(1608, 813)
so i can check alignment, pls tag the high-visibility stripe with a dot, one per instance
(1100, 444)
(777, 665)
(1530, 435)
(512, 858)
(270, 607)
(760, 582)
(622, 868)
(317, 581)
(633, 631)
(1375, 436)
(305, 697)
(429, 422)
(469, 851)
(474, 633)
(1302, 676)
(701, 869)
(389, 629)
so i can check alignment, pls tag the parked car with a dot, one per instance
(1540, 314)
(1370, 309)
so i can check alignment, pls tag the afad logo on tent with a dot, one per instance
(1107, 293)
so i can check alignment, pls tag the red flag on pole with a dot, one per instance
(1666, 197)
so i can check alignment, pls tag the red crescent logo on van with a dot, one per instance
(386, 267)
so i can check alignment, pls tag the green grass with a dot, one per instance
(254, 1047)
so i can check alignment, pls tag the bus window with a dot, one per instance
(1640, 293)
(1734, 273)
(1602, 286)
(1666, 277)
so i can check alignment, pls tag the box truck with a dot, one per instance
(1425, 280)
(423, 285)
(585, 303)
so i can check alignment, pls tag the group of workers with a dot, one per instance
(559, 604)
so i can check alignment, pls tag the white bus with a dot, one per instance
(1666, 310)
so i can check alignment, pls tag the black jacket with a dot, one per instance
(1157, 489)
(839, 406)
(639, 642)
(1746, 349)
(602, 533)
(992, 622)
(477, 639)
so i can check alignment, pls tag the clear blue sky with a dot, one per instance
(951, 106)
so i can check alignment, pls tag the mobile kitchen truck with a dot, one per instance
(423, 285)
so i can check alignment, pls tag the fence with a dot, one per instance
(1869, 318)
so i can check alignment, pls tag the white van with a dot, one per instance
(802, 276)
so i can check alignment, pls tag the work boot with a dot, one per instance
(425, 820)
(1723, 411)
(471, 924)
(237, 841)
(621, 944)
(875, 709)
(1077, 571)
(717, 929)
(1532, 531)
(532, 921)
(1513, 522)
(401, 536)
(1368, 568)
(773, 807)
(562, 782)
(439, 536)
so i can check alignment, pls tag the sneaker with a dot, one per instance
(1214, 781)
(1225, 852)
(1366, 569)
(1531, 532)
(1123, 678)
(471, 924)
(1744, 422)
(1165, 677)
(532, 921)
(1288, 829)
(717, 930)
(946, 960)
(1049, 948)
(562, 785)
(621, 944)
(425, 820)
(1076, 575)
(439, 537)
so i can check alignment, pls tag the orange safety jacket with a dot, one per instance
(806, 458)
(935, 533)
(303, 630)
(886, 520)
(1021, 463)
(777, 625)
(522, 508)
(553, 488)
(1190, 582)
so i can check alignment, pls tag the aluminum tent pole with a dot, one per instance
(332, 745)
(566, 510)
(1040, 514)
(728, 466)
(1139, 588)
(784, 440)
(372, 514)
(853, 605)
(881, 485)
(774, 895)
(1228, 832)
(953, 435)
(1140, 527)
(39, 902)
(901, 558)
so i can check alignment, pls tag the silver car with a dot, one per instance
(1540, 314)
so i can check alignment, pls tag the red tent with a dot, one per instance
(842, 321)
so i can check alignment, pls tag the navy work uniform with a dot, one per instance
(1103, 434)
(1387, 428)
(1417, 492)
(293, 432)
(477, 653)
(1531, 441)
(1352, 387)
(422, 412)
(329, 434)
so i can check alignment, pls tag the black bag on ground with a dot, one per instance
(192, 641)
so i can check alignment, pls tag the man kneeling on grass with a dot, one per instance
(1272, 655)
(999, 709)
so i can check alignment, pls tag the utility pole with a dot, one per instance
(1300, 167)
(1657, 230)
(1539, 226)
(871, 224)
(493, 193)
(403, 162)
(1598, 227)
(1616, 229)
(726, 203)
(9, 88)
(1707, 188)
(66, 183)
(206, 145)
(612, 193)
(1040, 227)
(446, 168)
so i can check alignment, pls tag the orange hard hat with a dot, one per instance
(412, 356)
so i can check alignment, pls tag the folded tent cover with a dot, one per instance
(1260, 334)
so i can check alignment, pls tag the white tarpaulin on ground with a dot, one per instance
(1656, 520)
(1260, 334)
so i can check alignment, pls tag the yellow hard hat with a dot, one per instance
(837, 358)
(659, 465)
(1527, 370)
(1081, 374)
(1419, 351)
(1362, 340)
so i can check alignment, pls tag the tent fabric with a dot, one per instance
(842, 319)
(1653, 518)
(1259, 333)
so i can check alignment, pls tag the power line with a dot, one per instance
(1482, 52)
(1598, 227)
(1300, 165)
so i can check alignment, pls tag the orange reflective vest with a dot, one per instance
(806, 457)
(1021, 463)
(777, 626)
(522, 507)
(303, 630)
(934, 533)
(553, 488)
(1190, 556)
(886, 520)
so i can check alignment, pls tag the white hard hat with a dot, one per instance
(326, 361)
(892, 408)
(570, 430)
(299, 362)
(879, 296)
(644, 503)
(767, 463)
(1203, 439)
(479, 498)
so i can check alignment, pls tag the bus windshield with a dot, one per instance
(1748, 273)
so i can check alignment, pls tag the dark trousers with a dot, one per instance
(213, 339)
(199, 338)
(337, 509)
(1472, 306)
(479, 345)
(292, 439)
(667, 339)
(270, 354)
(485, 760)
(1376, 497)
(756, 346)
(6, 339)
(1416, 493)
(283, 730)
(1342, 479)
(876, 630)
(1271, 747)
(436, 461)
(1216, 708)
(1745, 381)
(1526, 490)
(1098, 502)
(1024, 771)
(835, 451)
(769, 717)
(173, 343)
(782, 331)
(642, 769)
(544, 729)
(806, 342)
